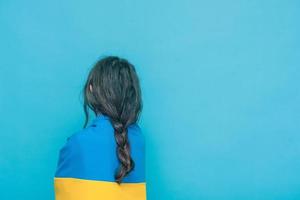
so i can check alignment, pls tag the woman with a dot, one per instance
(105, 160)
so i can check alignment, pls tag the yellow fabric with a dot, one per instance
(81, 189)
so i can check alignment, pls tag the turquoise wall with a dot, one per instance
(221, 88)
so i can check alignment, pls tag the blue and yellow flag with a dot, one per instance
(87, 164)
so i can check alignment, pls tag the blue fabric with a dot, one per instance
(91, 153)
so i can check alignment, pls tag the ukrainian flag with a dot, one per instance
(87, 164)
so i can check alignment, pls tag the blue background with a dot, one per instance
(221, 88)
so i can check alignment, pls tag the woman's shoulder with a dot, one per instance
(81, 149)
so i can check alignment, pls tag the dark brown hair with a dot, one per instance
(113, 89)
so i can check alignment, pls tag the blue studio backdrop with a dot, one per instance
(221, 89)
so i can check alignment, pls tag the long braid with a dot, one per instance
(123, 151)
(121, 136)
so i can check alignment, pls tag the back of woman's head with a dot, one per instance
(112, 88)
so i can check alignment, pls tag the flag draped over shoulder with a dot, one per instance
(87, 164)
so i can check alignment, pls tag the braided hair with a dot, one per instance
(112, 88)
